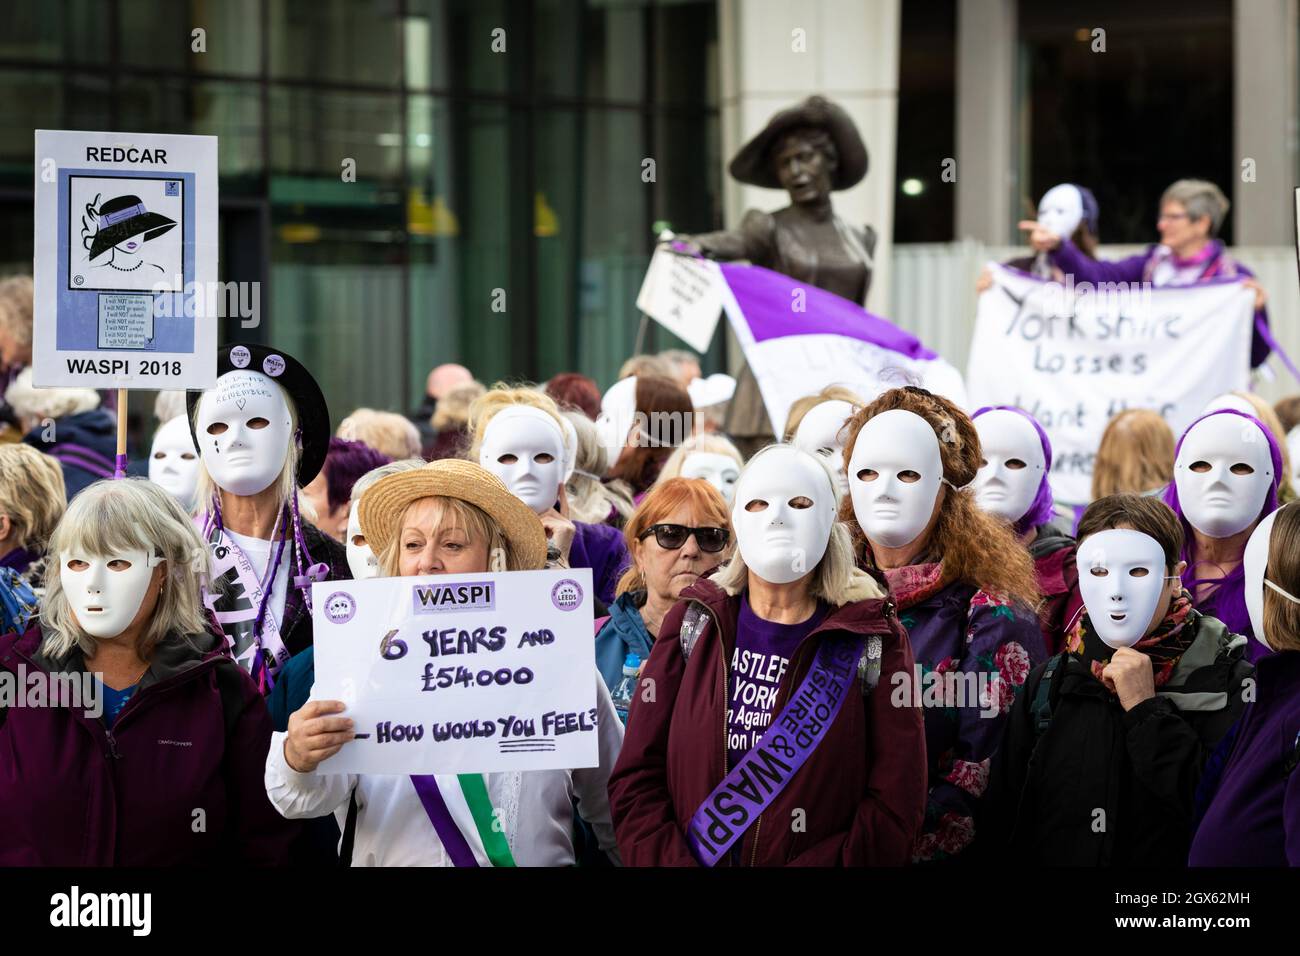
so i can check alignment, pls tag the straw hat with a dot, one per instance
(383, 503)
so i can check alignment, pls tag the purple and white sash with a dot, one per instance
(764, 772)
(258, 650)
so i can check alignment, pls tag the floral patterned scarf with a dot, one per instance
(914, 583)
(1165, 645)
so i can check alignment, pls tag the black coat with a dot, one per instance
(1104, 787)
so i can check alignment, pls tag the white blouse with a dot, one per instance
(392, 828)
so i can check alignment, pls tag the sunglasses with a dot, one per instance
(670, 537)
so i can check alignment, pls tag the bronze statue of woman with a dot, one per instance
(808, 150)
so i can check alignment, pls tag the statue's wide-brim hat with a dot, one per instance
(124, 218)
(753, 164)
(293, 377)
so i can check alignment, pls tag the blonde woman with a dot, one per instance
(159, 719)
(711, 457)
(69, 425)
(449, 517)
(388, 433)
(518, 434)
(1136, 455)
(730, 654)
(32, 499)
(262, 432)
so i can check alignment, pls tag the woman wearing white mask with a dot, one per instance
(153, 720)
(965, 589)
(1227, 471)
(447, 517)
(1120, 725)
(262, 431)
(174, 461)
(1252, 784)
(1012, 485)
(777, 669)
(519, 436)
(711, 457)
(1068, 211)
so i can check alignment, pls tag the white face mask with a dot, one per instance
(244, 432)
(106, 599)
(820, 434)
(1061, 210)
(1223, 472)
(361, 560)
(780, 541)
(1121, 575)
(721, 471)
(524, 447)
(174, 461)
(894, 475)
(617, 416)
(1008, 482)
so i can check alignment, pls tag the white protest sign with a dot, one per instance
(1074, 356)
(126, 254)
(460, 673)
(681, 294)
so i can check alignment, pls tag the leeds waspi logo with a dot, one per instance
(469, 596)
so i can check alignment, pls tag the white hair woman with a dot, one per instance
(68, 424)
(449, 517)
(262, 432)
(146, 717)
(741, 665)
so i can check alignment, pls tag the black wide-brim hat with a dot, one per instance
(753, 164)
(151, 224)
(287, 371)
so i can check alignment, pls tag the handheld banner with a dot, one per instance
(460, 673)
(126, 260)
(681, 293)
(1076, 356)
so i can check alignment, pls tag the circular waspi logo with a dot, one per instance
(240, 357)
(340, 608)
(566, 595)
(273, 365)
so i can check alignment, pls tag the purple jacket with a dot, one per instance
(989, 647)
(1071, 261)
(193, 737)
(601, 548)
(1254, 817)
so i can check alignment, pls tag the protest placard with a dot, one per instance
(460, 673)
(1076, 356)
(126, 253)
(680, 292)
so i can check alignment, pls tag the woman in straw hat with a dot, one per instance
(449, 517)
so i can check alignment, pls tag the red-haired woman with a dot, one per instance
(680, 533)
(642, 420)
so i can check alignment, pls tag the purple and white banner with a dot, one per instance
(798, 339)
(1076, 356)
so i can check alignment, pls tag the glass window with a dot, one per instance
(78, 34)
(1167, 65)
(161, 35)
(336, 41)
(313, 132)
(927, 122)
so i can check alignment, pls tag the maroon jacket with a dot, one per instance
(863, 790)
(193, 737)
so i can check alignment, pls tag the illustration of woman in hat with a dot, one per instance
(121, 227)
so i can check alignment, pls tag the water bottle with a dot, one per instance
(627, 686)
